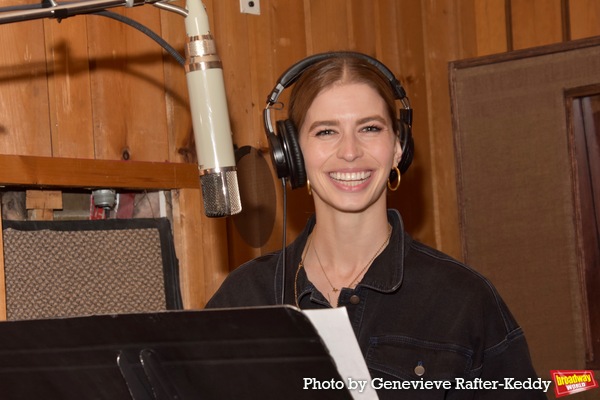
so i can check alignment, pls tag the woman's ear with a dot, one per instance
(397, 151)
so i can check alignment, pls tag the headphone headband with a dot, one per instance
(291, 75)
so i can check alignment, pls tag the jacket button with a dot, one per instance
(419, 370)
(354, 299)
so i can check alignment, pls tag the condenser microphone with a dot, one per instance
(210, 117)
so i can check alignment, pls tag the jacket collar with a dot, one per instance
(385, 274)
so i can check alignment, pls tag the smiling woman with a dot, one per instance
(349, 147)
(416, 313)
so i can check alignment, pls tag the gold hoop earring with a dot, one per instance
(395, 187)
(308, 187)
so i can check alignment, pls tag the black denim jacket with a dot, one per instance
(415, 307)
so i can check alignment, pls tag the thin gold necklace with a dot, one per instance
(334, 289)
(353, 282)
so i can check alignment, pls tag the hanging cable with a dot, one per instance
(145, 30)
(109, 14)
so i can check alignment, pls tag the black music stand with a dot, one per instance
(247, 353)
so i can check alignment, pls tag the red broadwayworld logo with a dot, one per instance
(570, 382)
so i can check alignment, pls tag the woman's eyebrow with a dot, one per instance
(371, 118)
(322, 123)
(377, 118)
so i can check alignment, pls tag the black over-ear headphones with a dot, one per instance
(285, 150)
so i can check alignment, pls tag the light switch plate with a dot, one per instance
(250, 7)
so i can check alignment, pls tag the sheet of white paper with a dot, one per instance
(334, 327)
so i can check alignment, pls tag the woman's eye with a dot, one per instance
(371, 128)
(324, 132)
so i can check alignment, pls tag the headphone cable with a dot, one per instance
(283, 245)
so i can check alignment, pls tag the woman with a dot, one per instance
(417, 313)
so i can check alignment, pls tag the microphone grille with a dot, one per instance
(221, 194)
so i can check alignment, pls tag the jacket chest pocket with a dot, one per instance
(410, 359)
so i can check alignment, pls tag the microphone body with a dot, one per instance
(210, 117)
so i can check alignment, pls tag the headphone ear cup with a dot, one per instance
(278, 156)
(293, 155)
(408, 146)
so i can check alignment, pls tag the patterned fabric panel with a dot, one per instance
(73, 273)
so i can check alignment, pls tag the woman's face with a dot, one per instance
(349, 147)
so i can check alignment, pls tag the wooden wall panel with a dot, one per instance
(230, 29)
(69, 88)
(403, 52)
(324, 33)
(584, 18)
(24, 122)
(359, 37)
(200, 248)
(127, 88)
(536, 23)
(281, 40)
(388, 43)
(490, 24)
(179, 122)
(446, 38)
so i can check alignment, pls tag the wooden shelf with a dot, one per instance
(88, 173)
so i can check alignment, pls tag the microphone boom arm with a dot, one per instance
(70, 9)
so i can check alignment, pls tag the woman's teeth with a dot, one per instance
(350, 178)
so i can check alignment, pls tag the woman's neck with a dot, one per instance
(341, 231)
(340, 251)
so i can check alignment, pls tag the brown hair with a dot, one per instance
(342, 69)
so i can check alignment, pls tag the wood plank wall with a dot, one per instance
(91, 87)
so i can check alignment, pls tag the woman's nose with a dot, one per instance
(349, 147)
